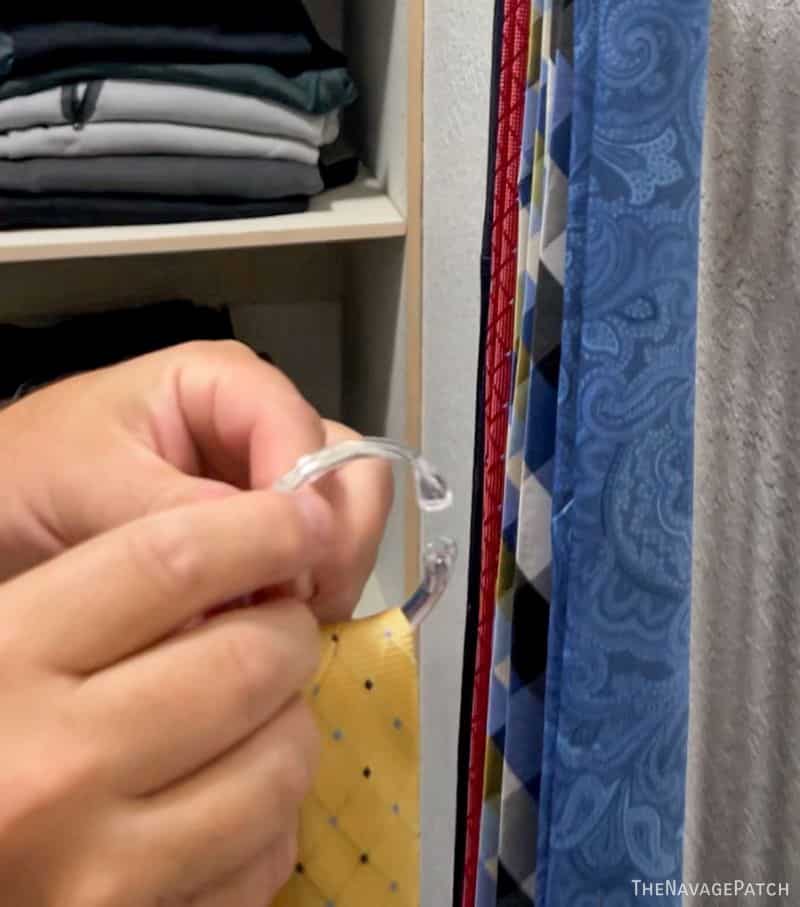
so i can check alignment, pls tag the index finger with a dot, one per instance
(246, 421)
(125, 590)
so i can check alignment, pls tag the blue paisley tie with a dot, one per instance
(612, 794)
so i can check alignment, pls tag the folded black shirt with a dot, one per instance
(31, 48)
(34, 355)
(274, 15)
(18, 212)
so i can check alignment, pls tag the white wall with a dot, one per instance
(457, 73)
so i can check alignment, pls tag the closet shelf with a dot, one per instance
(359, 211)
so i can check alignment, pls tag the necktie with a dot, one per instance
(359, 828)
(498, 284)
(617, 697)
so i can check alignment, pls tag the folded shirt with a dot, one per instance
(224, 178)
(317, 91)
(165, 102)
(338, 164)
(34, 355)
(30, 48)
(276, 15)
(33, 211)
(95, 139)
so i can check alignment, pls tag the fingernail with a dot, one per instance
(317, 514)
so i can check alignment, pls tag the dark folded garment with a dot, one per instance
(221, 178)
(34, 48)
(274, 15)
(314, 91)
(33, 211)
(338, 164)
(235, 179)
(36, 355)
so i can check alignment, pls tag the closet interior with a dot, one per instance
(333, 295)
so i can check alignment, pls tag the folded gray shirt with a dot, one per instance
(202, 177)
(129, 101)
(100, 139)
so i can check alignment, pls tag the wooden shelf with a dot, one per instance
(355, 212)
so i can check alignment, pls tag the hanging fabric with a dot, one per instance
(612, 793)
(359, 832)
(488, 885)
(516, 711)
(510, 53)
(466, 829)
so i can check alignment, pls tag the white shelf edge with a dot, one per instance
(360, 211)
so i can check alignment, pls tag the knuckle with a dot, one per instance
(306, 422)
(277, 645)
(293, 648)
(295, 781)
(348, 551)
(338, 431)
(233, 349)
(296, 650)
(349, 596)
(311, 744)
(298, 758)
(353, 557)
(220, 349)
(385, 485)
(167, 551)
(80, 771)
(283, 860)
(246, 664)
(311, 418)
(306, 642)
(308, 729)
(291, 536)
(381, 476)
(272, 872)
(339, 595)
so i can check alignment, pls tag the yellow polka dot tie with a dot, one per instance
(359, 829)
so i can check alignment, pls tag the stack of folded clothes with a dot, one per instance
(109, 119)
(38, 354)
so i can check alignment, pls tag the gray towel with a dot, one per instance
(743, 793)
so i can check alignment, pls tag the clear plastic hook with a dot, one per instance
(432, 493)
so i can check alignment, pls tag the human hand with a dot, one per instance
(146, 764)
(195, 422)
